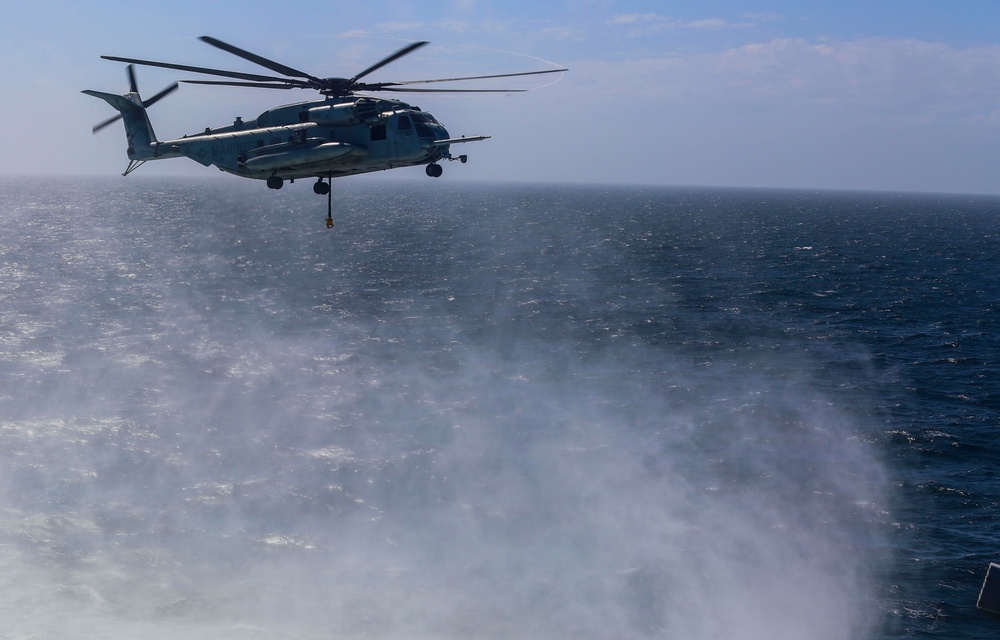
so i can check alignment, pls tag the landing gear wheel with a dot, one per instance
(434, 170)
(321, 188)
(275, 182)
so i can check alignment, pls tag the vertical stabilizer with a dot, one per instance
(138, 129)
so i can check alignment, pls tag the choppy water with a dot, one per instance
(494, 412)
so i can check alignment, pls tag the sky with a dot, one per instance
(889, 95)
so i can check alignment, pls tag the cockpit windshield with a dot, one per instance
(424, 117)
(421, 120)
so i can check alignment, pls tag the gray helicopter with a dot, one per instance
(343, 134)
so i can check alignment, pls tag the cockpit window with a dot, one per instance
(404, 123)
(424, 117)
(423, 131)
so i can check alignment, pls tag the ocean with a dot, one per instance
(495, 411)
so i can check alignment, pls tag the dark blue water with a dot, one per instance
(494, 411)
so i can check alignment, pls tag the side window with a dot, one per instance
(378, 132)
(424, 131)
(405, 124)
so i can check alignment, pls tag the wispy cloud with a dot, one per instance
(867, 112)
(564, 33)
(709, 23)
(402, 27)
(763, 17)
(901, 73)
(881, 77)
(634, 18)
(642, 24)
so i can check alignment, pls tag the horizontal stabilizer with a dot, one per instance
(123, 104)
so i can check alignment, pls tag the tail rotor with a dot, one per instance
(134, 96)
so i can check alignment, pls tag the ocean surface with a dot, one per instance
(495, 411)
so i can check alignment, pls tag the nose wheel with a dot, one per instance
(434, 170)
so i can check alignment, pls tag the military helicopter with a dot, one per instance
(345, 133)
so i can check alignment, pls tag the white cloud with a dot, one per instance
(450, 26)
(709, 23)
(563, 33)
(643, 24)
(864, 113)
(764, 17)
(881, 76)
(397, 27)
(634, 18)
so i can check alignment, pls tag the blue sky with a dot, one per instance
(890, 95)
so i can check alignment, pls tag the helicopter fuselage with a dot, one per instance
(328, 138)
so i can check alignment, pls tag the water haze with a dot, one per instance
(487, 411)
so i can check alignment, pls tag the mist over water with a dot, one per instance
(491, 412)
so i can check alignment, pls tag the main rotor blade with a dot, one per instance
(384, 61)
(405, 90)
(255, 85)
(256, 59)
(111, 120)
(132, 85)
(151, 101)
(205, 70)
(498, 75)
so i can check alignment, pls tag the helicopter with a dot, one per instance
(344, 133)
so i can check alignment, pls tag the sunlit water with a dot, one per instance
(494, 412)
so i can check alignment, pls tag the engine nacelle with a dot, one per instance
(334, 115)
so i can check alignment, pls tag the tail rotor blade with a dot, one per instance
(132, 85)
(150, 102)
(109, 121)
(133, 88)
